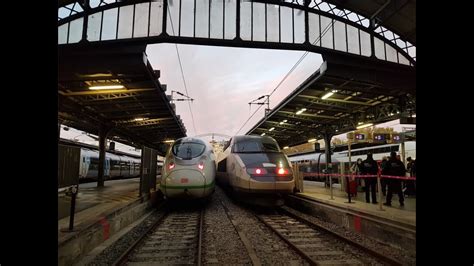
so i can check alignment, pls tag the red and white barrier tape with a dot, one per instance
(361, 176)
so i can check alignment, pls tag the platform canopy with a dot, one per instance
(341, 96)
(137, 111)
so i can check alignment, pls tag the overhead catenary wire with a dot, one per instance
(325, 30)
(182, 72)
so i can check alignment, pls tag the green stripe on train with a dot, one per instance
(188, 187)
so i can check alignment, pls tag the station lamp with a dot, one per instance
(301, 111)
(286, 147)
(282, 122)
(329, 94)
(106, 87)
(311, 140)
(364, 125)
(263, 134)
(271, 129)
(169, 141)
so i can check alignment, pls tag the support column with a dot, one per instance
(306, 22)
(372, 42)
(142, 164)
(103, 132)
(327, 145)
(86, 6)
(402, 153)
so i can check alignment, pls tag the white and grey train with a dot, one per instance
(189, 169)
(255, 168)
(316, 162)
(115, 166)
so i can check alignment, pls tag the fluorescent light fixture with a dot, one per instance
(271, 129)
(282, 122)
(106, 87)
(169, 141)
(301, 111)
(263, 134)
(327, 95)
(139, 119)
(311, 140)
(286, 147)
(365, 125)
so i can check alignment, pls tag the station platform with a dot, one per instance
(100, 212)
(113, 194)
(405, 215)
(393, 226)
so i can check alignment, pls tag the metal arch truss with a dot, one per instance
(313, 26)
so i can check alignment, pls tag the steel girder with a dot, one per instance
(299, 25)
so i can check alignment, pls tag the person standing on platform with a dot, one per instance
(394, 167)
(356, 169)
(369, 167)
(411, 168)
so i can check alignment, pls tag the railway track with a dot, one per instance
(318, 245)
(174, 239)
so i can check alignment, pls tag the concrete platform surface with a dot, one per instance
(317, 191)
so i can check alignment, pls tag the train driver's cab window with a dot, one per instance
(188, 150)
(249, 145)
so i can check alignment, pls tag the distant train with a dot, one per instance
(378, 152)
(309, 162)
(189, 169)
(254, 168)
(116, 166)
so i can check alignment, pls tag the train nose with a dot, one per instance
(184, 183)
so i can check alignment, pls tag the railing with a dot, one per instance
(346, 179)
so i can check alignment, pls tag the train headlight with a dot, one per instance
(283, 171)
(256, 171)
(201, 165)
(171, 165)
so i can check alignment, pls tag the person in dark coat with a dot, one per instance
(410, 184)
(369, 167)
(394, 167)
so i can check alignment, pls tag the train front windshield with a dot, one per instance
(255, 145)
(188, 150)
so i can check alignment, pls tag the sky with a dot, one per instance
(222, 81)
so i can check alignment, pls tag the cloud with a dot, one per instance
(223, 80)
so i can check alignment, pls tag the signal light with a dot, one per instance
(171, 165)
(256, 171)
(201, 165)
(282, 171)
